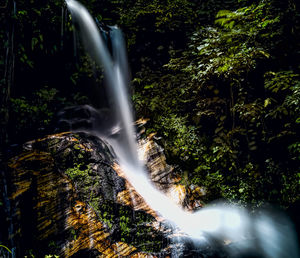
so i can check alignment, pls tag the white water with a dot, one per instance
(269, 236)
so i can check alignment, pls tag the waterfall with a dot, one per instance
(269, 236)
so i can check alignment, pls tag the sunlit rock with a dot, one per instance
(68, 196)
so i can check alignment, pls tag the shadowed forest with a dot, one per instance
(218, 83)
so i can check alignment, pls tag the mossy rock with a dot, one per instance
(63, 192)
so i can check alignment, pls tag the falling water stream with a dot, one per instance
(270, 236)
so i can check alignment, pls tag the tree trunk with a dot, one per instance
(8, 55)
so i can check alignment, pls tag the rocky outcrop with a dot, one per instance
(65, 194)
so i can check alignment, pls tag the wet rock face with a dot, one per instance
(87, 161)
(66, 195)
(37, 197)
(63, 198)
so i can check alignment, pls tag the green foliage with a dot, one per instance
(126, 225)
(222, 114)
(280, 81)
(36, 112)
(295, 150)
(184, 137)
(42, 55)
(171, 14)
(232, 50)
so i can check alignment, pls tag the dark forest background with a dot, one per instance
(218, 80)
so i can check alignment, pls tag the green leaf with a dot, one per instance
(34, 41)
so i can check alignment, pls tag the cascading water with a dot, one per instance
(266, 235)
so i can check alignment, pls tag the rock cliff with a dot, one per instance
(66, 195)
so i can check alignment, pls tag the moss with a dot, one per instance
(79, 172)
(129, 226)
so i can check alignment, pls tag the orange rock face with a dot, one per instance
(90, 234)
(49, 206)
(163, 176)
(50, 213)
